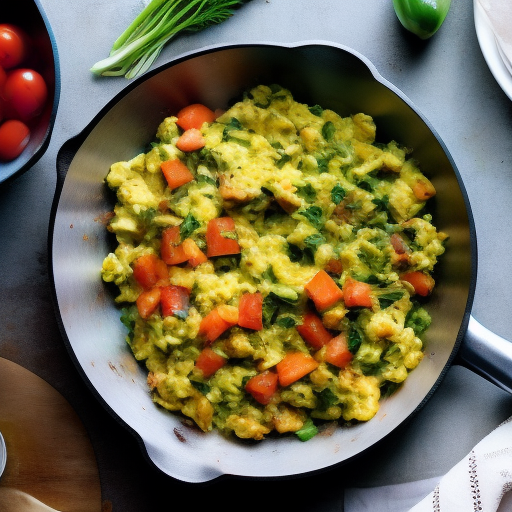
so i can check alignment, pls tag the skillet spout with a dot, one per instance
(488, 354)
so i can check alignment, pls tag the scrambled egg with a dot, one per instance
(310, 193)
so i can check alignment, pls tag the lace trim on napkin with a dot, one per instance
(473, 478)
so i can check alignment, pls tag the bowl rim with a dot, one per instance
(16, 167)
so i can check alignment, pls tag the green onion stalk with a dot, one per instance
(136, 49)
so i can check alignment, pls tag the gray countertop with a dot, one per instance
(446, 78)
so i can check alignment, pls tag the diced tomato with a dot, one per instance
(337, 352)
(176, 173)
(294, 366)
(422, 282)
(313, 331)
(190, 140)
(147, 302)
(250, 311)
(213, 325)
(171, 249)
(262, 386)
(217, 244)
(209, 362)
(323, 291)
(174, 299)
(149, 269)
(194, 116)
(357, 293)
(194, 255)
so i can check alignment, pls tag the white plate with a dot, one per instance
(490, 49)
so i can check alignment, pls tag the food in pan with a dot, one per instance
(272, 265)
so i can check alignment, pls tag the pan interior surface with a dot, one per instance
(316, 74)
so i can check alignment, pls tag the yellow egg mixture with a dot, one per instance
(308, 191)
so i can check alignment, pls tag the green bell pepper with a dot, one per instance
(422, 17)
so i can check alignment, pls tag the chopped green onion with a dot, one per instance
(308, 430)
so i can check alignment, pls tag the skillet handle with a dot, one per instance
(488, 354)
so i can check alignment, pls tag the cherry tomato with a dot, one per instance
(14, 45)
(3, 78)
(26, 92)
(14, 137)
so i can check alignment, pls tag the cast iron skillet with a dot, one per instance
(317, 73)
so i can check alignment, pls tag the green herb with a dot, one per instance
(307, 192)
(188, 226)
(386, 299)
(201, 386)
(316, 110)
(297, 255)
(282, 160)
(269, 275)
(328, 130)
(270, 309)
(323, 164)
(354, 339)
(418, 319)
(338, 193)
(241, 142)
(286, 322)
(312, 242)
(374, 260)
(326, 399)
(382, 203)
(203, 178)
(147, 216)
(225, 264)
(314, 215)
(308, 430)
(128, 320)
(234, 124)
(389, 388)
(140, 44)
(276, 145)
(281, 296)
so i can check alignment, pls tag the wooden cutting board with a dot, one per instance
(49, 454)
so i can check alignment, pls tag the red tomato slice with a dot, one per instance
(14, 45)
(217, 244)
(25, 90)
(194, 116)
(14, 137)
(262, 386)
(209, 362)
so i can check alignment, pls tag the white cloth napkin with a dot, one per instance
(481, 482)
(499, 15)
